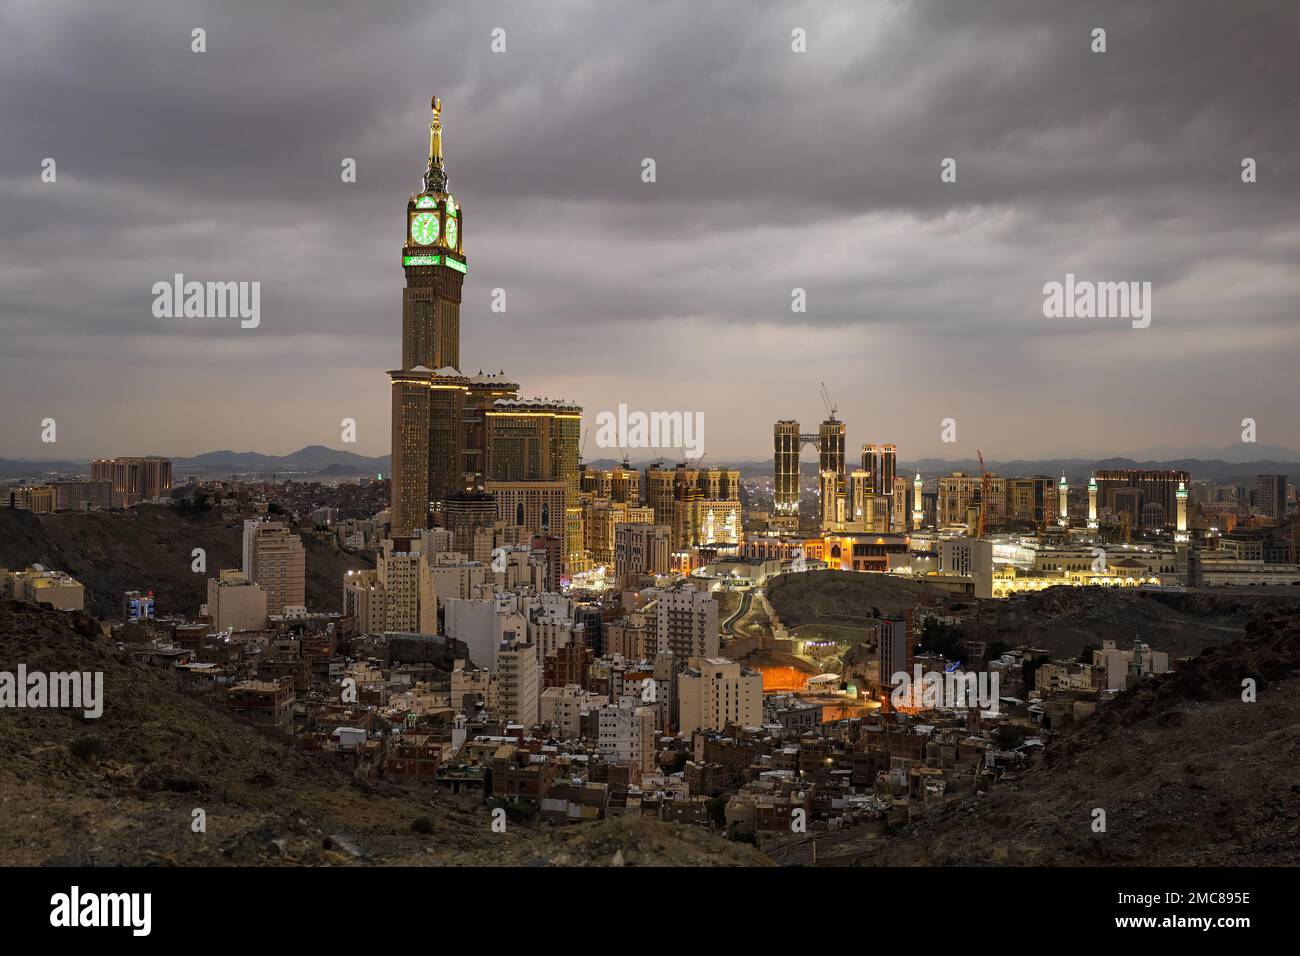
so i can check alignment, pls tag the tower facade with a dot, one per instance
(1062, 503)
(429, 393)
(785, 474)
(918, 508)
(1092, 503)
(434, 262)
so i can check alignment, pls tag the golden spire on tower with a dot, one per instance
(435, 178)
(435, 133)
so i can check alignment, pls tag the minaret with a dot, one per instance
(1063, 506)
(918, 513)
(1180, 530)
(1092, 503)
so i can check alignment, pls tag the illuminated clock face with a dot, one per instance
(424, 228)
(426, 202)
(453, 230)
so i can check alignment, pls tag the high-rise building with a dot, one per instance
(641, 549)
(896, 648)
(620, 484)
(687, 622)
(442, 426)
(1270, 496)
(397, 564)
(785, 487)
(519, 675)
(960, 494)
(134, 479)
(1155, 501)
(702, 506)
(78, 494)
(38, 499)
(1031, 499)
(880, 462)
(434, 260)
(714, 692)
(274, 558)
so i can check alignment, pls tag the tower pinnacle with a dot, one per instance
(435, 177)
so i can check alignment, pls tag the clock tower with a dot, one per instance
(434, 266)
(428, 391)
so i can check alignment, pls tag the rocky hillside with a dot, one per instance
(1187, 773)
(122, 789)
(149, 548)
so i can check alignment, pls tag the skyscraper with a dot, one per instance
(453, 433)
(1270, 495)
(428, 390)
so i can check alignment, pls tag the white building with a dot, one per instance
(484, 625)
(627, 735)
(687, 622)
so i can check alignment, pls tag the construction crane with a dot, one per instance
(831, 408)
(984, 496)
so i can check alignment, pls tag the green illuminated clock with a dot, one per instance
(453, 230)
(424, 227)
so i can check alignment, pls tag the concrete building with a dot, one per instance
(134, 479)
(39, 586)
(626, 735)
(484, 625)
(641, 550)
(365, 600)
(560, 709)
(235, 603)
(397, 565)
(969, 557)
(1123, 669)
(274, 558)
(713, 692)
(687, 622)
(896, 643)
(38, 499)
(519, 673)
(82, 495)
(1270, 496)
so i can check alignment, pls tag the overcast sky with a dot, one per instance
(775, 170)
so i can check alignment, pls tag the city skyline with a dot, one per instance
(924, 298)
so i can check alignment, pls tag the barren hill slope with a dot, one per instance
(148, 548)
(121, 789)
(1186, 772)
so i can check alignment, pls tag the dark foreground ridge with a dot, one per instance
(1187, 773)
(122, 789)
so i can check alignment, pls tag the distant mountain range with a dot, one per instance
(312, 461)
(318, 461)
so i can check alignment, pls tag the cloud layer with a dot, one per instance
(775, 170)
